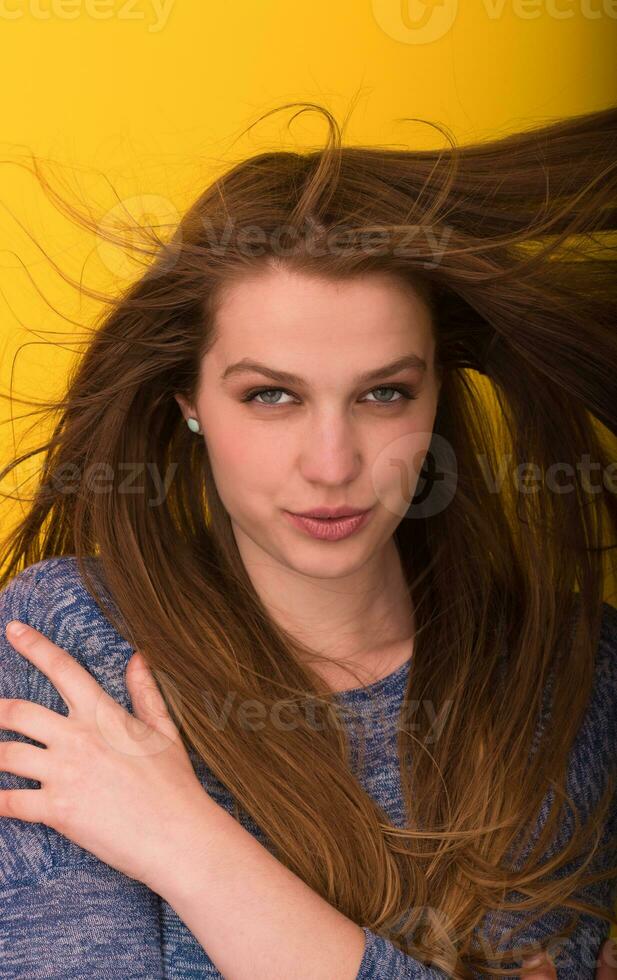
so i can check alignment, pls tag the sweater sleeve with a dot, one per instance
(383, 960)
(61, 920)
(592, 761)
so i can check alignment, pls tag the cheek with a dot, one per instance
(397, 463)
(242, 462)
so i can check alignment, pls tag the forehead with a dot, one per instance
(285, 311)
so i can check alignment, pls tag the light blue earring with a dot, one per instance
(193, 425)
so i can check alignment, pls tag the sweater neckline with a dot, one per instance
(388, 685)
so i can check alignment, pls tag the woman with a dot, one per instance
(410, 711)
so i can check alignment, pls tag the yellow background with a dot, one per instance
(147, 100)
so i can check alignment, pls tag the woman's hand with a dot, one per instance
(607, 970)
(120, 786)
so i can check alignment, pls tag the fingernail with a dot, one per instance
(16, 627)
(538, 959)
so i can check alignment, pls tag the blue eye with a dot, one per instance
(403, 390)
(252, 395)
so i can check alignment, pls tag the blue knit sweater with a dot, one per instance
(64, 913)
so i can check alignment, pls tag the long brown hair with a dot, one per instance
(502, 239)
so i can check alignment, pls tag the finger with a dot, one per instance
(30, 719)
(72, 681)
(607, 962)
(24, 804)
(538, 966)
(147, 701)
(23, 760)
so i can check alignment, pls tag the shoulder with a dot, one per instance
(52, 596)
(606, 665)
(600, 721)
(599, 735)
(593, 761)
(41, 587)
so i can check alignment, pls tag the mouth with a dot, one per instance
(330, 528)
(331, 513)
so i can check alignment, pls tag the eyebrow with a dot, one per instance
(247, 365)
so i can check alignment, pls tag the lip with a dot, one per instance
(331, 512)
(330, 530)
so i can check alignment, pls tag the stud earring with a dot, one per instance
(193, 425)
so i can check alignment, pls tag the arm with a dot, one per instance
(61, 919)
(257, 919)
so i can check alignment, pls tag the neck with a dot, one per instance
(364, 619)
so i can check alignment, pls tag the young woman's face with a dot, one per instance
(330, 436)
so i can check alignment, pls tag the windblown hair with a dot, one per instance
(507, 586)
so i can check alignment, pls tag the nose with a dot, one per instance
(330, 453)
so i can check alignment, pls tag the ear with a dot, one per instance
(187, 410)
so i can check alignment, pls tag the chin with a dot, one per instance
(327, 565)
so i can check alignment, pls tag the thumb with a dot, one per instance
(607, 969)
(148, 702)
